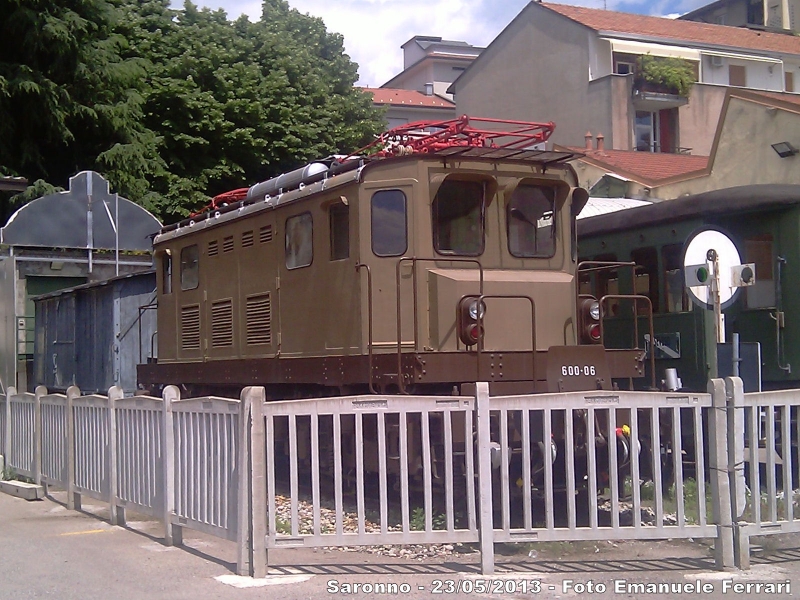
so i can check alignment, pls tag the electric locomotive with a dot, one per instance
(441, 255)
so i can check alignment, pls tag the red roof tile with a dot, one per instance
(407, 98)
(646, 167)
(678, 30)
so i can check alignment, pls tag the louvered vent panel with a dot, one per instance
(259, 320)
(265, 234)
(190, 327)
(213, 248)
(227, 244)
(222, 323)
(247, 239)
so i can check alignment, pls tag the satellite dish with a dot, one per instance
(696, 256)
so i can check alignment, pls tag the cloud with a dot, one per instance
(374, 30)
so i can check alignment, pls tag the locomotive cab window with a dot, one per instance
(530, 218)
(339, 217)
(388, 217)
(166, 273)
(299, 241)
(458, 217)
(190, 267)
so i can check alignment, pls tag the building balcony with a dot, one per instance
(652, 97)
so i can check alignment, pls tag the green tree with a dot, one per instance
(172, 106)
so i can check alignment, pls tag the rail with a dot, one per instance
(635, 298)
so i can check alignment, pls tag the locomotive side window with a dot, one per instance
(190, 267)
(458, 218)
(339, 217)
(389, 229)
(646, 279)
(530, 220)
(674, 290)
(166, 273)
(299, 241)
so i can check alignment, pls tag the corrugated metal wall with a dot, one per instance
(94, 336)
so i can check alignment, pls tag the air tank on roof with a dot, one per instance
(288, 181)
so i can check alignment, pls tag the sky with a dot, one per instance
(374, 30)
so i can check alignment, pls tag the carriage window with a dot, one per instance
(458, 218)
(674, 290)
(166, 273)
(190, 267)
(531, 222)
(339, 216)
(646, 280)
(299, 241)
(607, 281)
(758, 250)
(389, 233)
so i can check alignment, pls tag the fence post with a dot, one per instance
(258, 482)
(117, 512)
(485, 509)
(734, 388)
(10, 391)
(73, 498)
(720, 481)
(173, 534)
(37, 433)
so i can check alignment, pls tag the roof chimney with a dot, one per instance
(601, 142)
(588, 140)
(429, 89)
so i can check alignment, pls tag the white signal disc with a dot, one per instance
(695, 253)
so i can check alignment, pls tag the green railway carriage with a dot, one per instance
(763, 221)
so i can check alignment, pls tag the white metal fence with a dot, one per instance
(375, 470)
(766, 481)
(178, 460)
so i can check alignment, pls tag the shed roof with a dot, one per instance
(82, 217)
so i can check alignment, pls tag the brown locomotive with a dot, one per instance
(443, 255)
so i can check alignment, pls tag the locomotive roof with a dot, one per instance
(352, 171)
(727, 201)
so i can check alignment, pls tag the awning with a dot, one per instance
(631, 47)
(739, 56)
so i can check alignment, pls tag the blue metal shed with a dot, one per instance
(94, 335)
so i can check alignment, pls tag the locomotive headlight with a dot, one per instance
(594, 310)
(477, 310)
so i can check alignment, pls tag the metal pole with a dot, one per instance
(89, 220)
(116, 232)
(735, 352)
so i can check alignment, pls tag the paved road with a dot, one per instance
(47, 551)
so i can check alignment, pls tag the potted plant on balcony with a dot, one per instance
(664, 75)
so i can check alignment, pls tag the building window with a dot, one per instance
(737, 75)
(190, 267)
(645, 131)
(530, 219)
(389, 232)
(789, 81)
(339, 219)
(755, 12)
(299, 241)
(625, 68)
(166, 273)
(458, 218)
